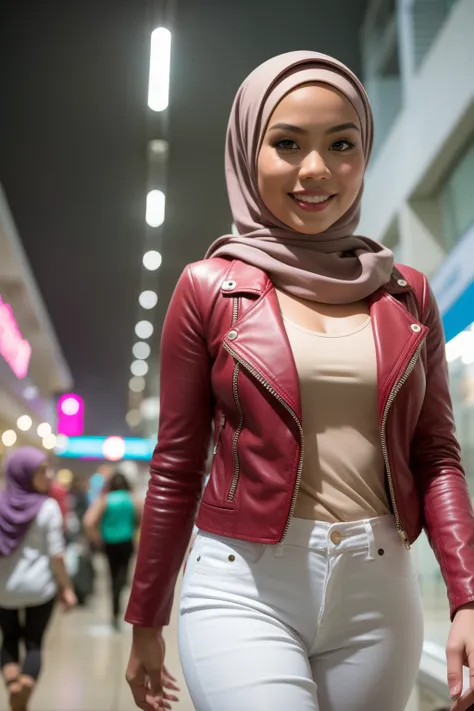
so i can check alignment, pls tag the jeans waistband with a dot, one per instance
(378, 532)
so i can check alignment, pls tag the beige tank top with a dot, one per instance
(343, 475)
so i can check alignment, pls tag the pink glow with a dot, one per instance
(13, 347)
(70, 415)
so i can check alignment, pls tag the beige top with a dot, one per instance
(343, 468)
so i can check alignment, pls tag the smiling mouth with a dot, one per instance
(311, 203)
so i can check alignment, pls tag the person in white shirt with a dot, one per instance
(32, 569)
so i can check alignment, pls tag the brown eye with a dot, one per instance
(342, 146)
(285, 144)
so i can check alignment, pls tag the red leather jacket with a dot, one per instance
(226, 359)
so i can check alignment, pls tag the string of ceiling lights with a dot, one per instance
(24, 424)
(158, 100)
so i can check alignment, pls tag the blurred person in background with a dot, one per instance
(32, 569)
(79, 556)
(322, 366)
(111, 523)
(59, 493)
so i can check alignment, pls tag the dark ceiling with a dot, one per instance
(73, 153)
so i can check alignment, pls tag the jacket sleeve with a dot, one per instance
(436, 464)
(179, 460)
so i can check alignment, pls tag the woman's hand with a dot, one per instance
(146, 674)
(459, 653)
(68, 598)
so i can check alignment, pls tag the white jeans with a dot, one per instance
(329, 621)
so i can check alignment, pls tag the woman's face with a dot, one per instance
(311, 162)
(42, 478)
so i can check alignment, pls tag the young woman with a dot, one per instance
(322, 367)
(111, 521)
(32, 569)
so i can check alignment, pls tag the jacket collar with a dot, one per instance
(242, 278)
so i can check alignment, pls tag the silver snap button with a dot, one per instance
(232, 335)
(228, 285)
(402, 282)
(415, 328)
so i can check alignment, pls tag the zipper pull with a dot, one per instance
(404, 538)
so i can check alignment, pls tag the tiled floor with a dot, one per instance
(84, 664)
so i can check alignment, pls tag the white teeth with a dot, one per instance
(311, 198)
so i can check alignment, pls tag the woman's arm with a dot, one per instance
(436, 464)
(55, 545)
(178, 463)
(138, 506)
(92, 519)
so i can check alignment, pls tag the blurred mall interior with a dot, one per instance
(109, 111)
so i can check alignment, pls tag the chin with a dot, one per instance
(316, 227)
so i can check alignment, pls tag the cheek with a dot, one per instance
(272, 174)
(351, 174)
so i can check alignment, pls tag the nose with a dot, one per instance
(314, 167)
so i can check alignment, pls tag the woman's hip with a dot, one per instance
(321, 581)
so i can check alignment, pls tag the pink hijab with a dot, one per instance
(333, 267)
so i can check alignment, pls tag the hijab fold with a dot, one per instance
(334, 266)
(19, 503)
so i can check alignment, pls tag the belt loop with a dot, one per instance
(370, 540)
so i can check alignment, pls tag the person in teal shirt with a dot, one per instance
(111, 523)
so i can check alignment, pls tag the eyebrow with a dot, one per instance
(298, 129)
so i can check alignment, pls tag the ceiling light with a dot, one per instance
(150, 408)
(137, 384)
(62, 443)
(30, 392)
(155, 208)
(152, 260)
(133, 418)
(49, 442)
(44, 429)
(139, 367)
(144, 329)
(159, 80)
(24, 423)
(141, 350)
(158, 147)
(148, 299)
(9, 438)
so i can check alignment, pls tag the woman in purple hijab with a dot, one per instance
(20, 503)
(32, 569)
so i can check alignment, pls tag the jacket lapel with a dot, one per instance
(397, 336)
(258, 338)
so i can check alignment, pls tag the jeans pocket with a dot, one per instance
(396, 561)
(221, 556)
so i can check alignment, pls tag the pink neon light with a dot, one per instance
(70, 415)
(13, 347)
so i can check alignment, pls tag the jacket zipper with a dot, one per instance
(219, 431)
(289, 409)
(383, 439)
(235, 389)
